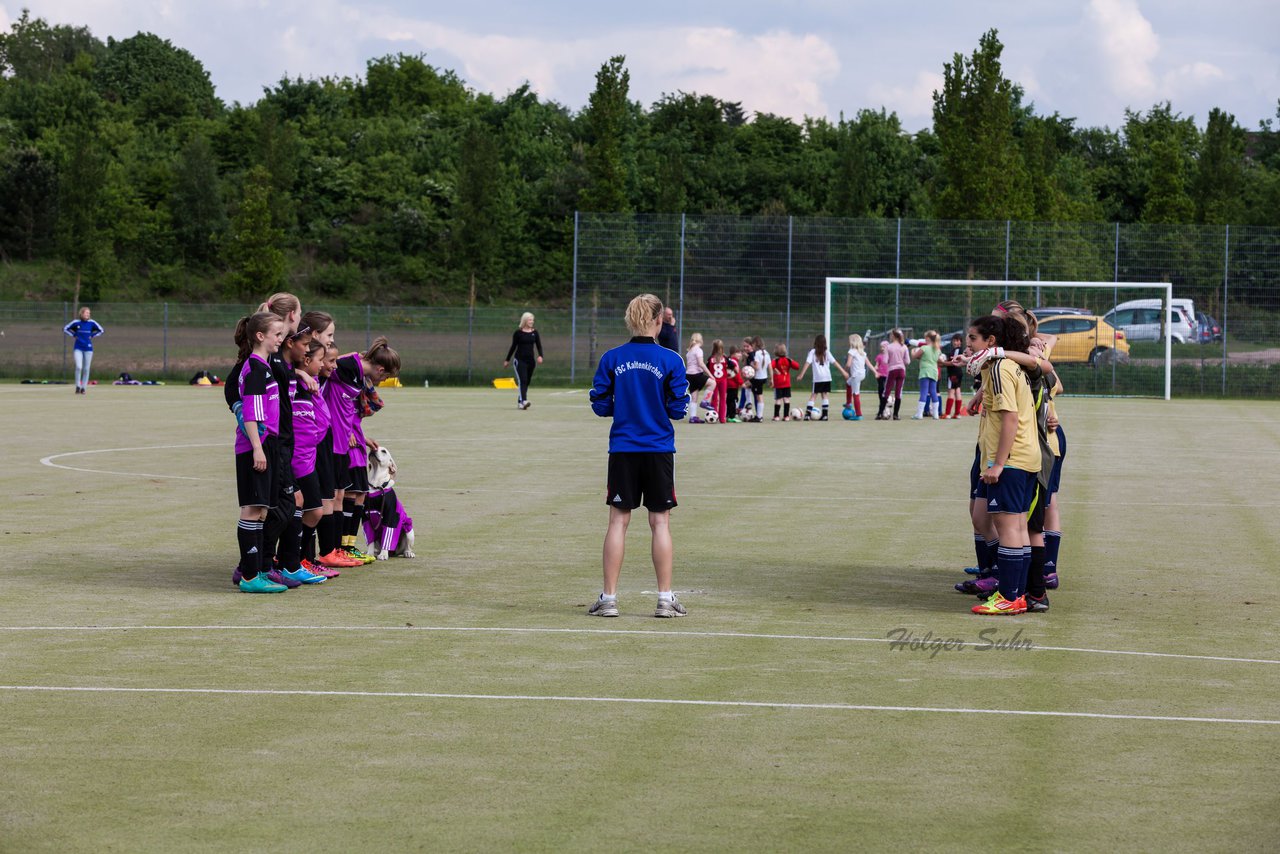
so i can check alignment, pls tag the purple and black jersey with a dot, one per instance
(260, 394)
(310, 421)
(341, 393)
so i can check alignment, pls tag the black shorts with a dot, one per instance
(757, 385)
(783, 393)
(258, 488)
(284, 478)
(696, 381)
(955, 380)
(324, 471)
(823, 387)
(1035, 518)
(341, 471)
(359, 477)
(651, 475)
(309, 486)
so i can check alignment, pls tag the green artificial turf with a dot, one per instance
(473, 706)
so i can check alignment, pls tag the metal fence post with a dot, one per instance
(1226, 261)
(791, 221)
(1006, 259)
(573, 310)
(897, 274)
(680, 322)
(164, 358)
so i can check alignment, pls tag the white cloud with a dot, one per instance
(1129, 45)
(913, 102)
(5, 21)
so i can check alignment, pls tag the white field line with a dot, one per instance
(630, 632)
(650, 701)
(879, 499)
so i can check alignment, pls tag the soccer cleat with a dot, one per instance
(603, 608)
(997, 604)
(302, 576)
(1037, 606)
(980, 587)
(731, 421)
(260, 584)
(279, 577)
(706, 405)
(973, 570)
(1051, 580)
(355, 554)
(317, 569)
(917, 417)
(669, 608)
(696, 420)
(236, 577)
(338, 558)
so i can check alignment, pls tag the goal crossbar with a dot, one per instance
(1167, 287)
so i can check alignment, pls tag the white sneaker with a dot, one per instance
(669, 608)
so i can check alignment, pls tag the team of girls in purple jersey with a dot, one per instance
(300, 449)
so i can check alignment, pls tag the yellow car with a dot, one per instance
(1085, 338)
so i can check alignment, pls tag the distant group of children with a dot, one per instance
(300, 445)
(728, 386)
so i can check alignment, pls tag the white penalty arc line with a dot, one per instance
(922, 646)
(649, 701)
(49, 460)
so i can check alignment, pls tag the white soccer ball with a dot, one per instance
(711, 416)
(748, 373)
(797, 415)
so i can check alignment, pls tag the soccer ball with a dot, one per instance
(797, 414)
(848, 413)
(748, 373)
(711, 416)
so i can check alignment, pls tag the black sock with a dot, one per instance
(777, 409)
(309, 542)
(291, 543)
(247, 534)
(825, 407)
(357, 517)
(897, 404)
(1035, 575)
(786, 409)
(326, 535)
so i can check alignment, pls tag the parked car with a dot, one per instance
(1085, 338)
(1140, 320)
(1056, 311)
(1207, 329)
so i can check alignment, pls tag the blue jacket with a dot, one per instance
(84, 331)
(643, 387)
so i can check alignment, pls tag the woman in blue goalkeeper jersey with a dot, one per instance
(83, 330)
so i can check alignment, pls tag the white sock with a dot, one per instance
(608, 597)
(665, 596)
(920, 409)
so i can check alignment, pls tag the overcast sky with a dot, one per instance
(1089, 59)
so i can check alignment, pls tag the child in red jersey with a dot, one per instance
(735, 382)
(780, 379)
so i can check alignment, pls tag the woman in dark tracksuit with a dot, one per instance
(524, 341)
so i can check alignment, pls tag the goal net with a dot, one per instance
(1114, 339)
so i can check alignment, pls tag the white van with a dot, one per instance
(1140, 319)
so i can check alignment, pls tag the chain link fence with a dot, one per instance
(728, 277)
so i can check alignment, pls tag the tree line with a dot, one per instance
(121, 167)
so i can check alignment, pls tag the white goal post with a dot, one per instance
(1166, 287)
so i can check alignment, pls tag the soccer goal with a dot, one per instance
(1109, 333)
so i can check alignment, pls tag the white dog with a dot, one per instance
(393, 533)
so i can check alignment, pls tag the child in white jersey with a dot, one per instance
(822, 361)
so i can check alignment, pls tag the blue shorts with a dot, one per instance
(1014, 492)
(1055, 476)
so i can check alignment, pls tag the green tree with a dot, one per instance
(484, 211)
(981, 168)
(875, 169)
(28, 196)
(606, 115)
(81, 181)
(1167, 198)
(198, 214)
(1219, 177)
(34, 51)
(164, 83)
(255, 264)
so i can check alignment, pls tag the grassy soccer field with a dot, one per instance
(463, 701)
